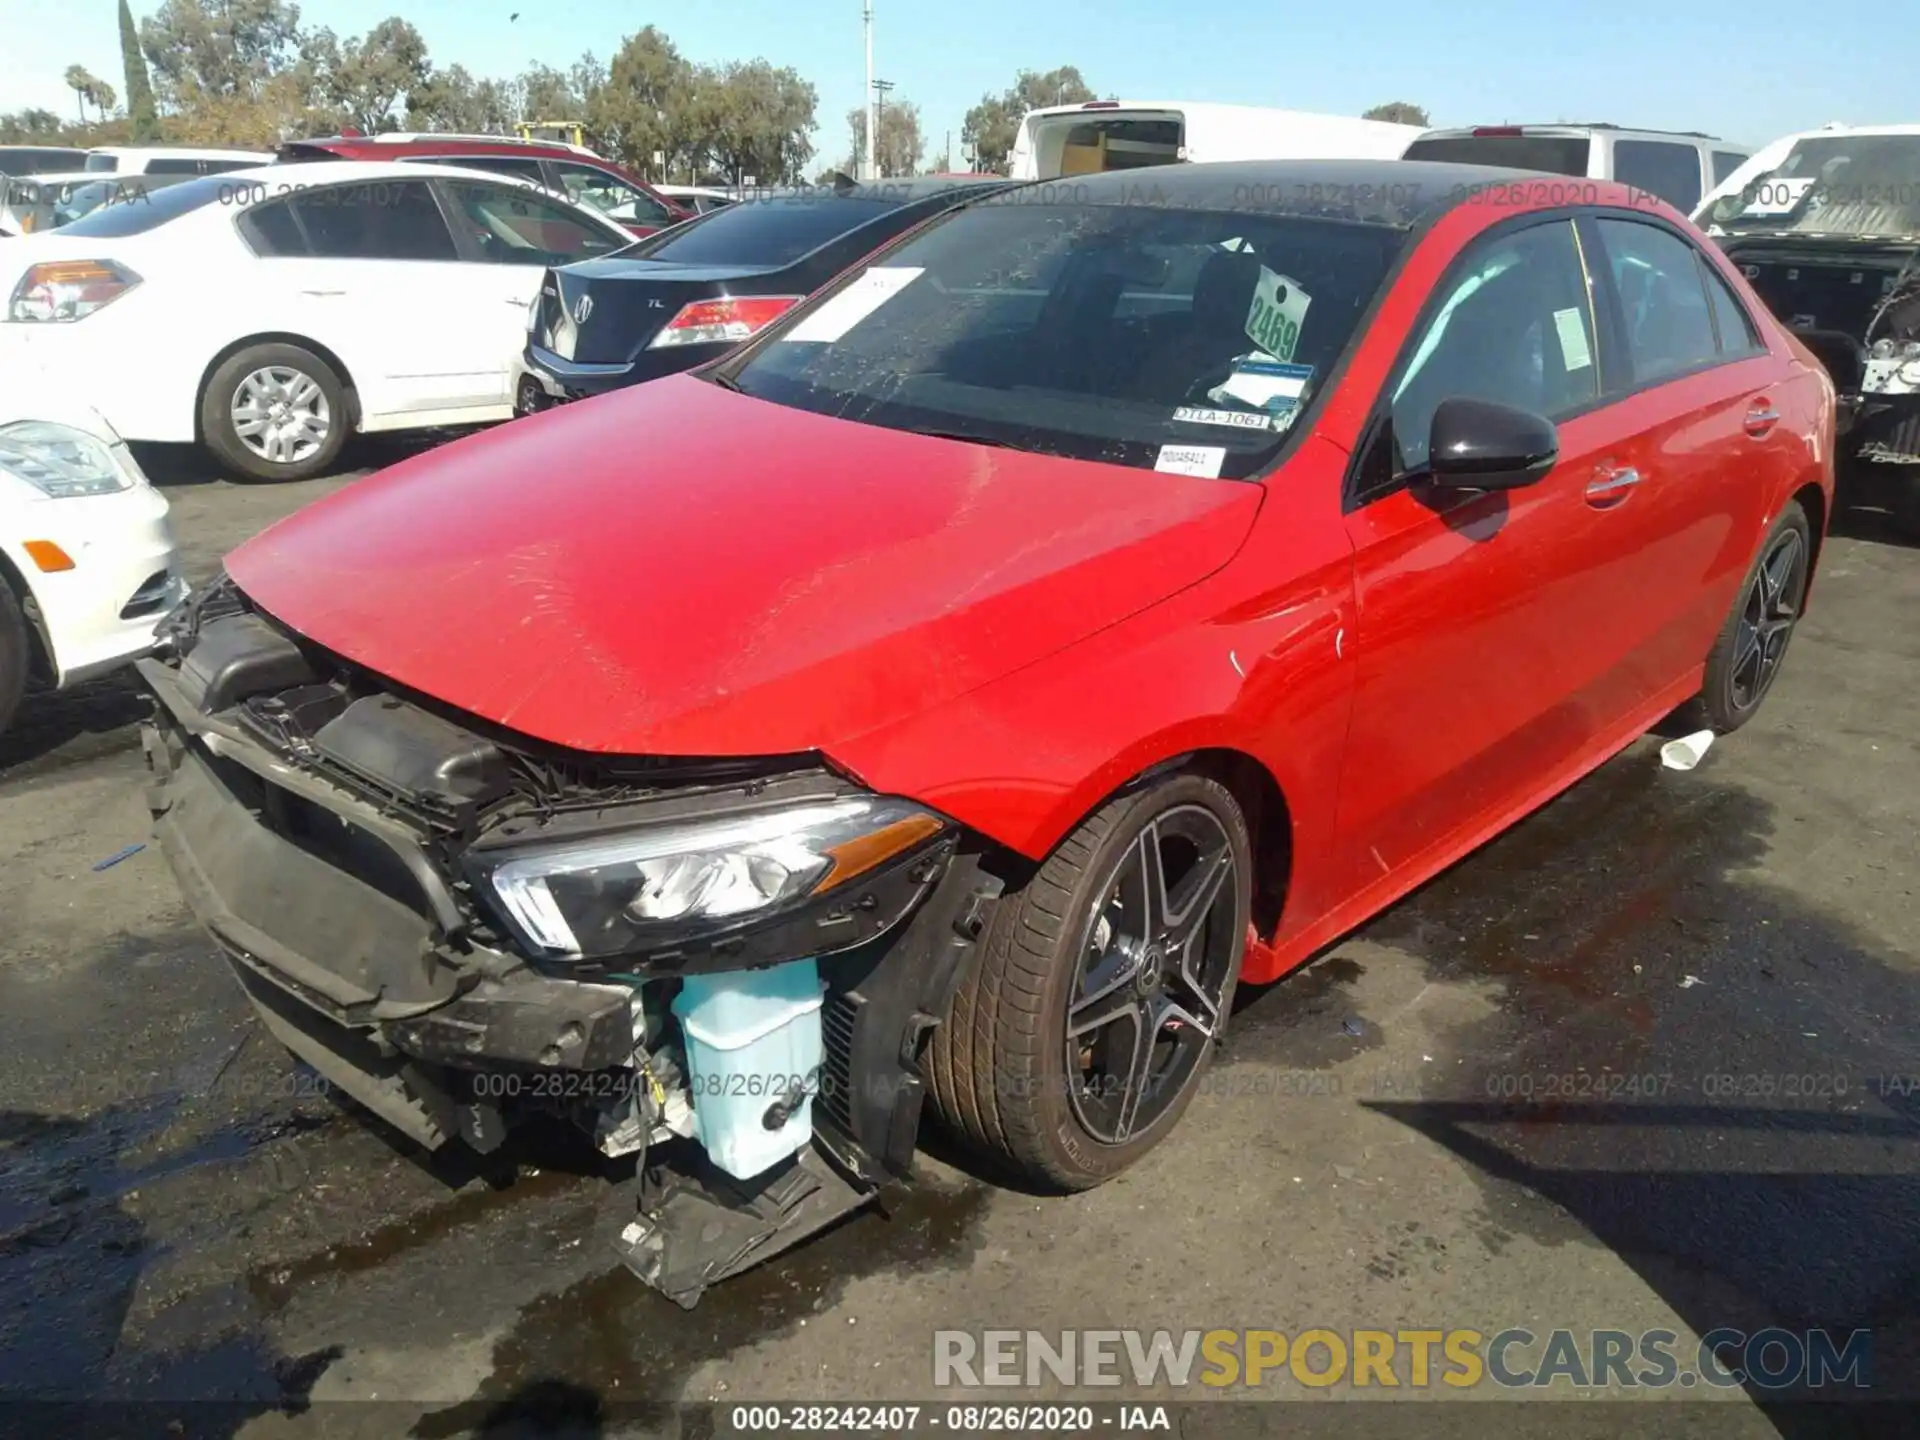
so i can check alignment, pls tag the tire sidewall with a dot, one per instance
(1073, 1149)
(1722, 712)
(216, 412)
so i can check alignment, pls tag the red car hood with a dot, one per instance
(677, 569)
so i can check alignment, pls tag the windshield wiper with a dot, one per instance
(725, 382)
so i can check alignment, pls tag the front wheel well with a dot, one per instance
(279, 337)
(1269, 825)
(1812, 499)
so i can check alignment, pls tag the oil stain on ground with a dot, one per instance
(610, 1337)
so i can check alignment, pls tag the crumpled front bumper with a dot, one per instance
(346, 938)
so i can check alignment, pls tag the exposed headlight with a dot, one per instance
(626, 893)
(61, 462)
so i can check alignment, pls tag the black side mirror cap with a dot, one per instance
(1483, 445)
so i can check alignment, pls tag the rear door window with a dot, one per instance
(1555, 154)
(514, 227)
(1663, 300)
(172, 165)
(1660, 167)
(374, 220)
(1725, 162)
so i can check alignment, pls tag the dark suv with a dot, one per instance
(569, 170)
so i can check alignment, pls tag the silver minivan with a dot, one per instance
(1678, 166)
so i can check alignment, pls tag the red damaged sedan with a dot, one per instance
(1108, 593)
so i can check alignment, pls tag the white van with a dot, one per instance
(1678, 166)
(1122, 134)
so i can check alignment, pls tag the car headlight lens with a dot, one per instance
(619, 894)
(60, 461)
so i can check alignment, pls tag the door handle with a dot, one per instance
(323, 292)
(1609, 487)
(1761, 417)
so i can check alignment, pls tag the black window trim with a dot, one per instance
(1636, 385)
(1754, 339)
(1605, 341)
(441, 203)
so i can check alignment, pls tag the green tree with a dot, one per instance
(198, 49)
(759, 121)
(646, 106)
(31, 126)
(81, 83)
(142, 118)
(897, 139)
(544, 93)
(990, 128)
(378, 74)
(452, 99)
(1399, 112)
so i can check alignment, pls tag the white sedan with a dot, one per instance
(269, 313)
(87, 562)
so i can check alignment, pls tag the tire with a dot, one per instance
(1002, 1071)
(16, 654)
(1764, 614)
(275, 375)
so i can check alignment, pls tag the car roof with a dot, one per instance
(1568, 127)
(1401, 193)
(340, 172)
(449, 142)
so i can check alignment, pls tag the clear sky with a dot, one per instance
(1749, 73)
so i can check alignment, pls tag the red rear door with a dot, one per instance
(1676, 517)
(1468, 603)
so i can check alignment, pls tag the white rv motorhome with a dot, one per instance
(1123, 134)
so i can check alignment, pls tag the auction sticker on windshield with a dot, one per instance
(1238, 419)
(1264, 383)
(860, 299)
(1278, 310)
(1202, 460)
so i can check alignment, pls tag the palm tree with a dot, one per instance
(81, 83)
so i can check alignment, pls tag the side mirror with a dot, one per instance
(1481, 445)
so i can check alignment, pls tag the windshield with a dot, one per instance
(140, 211)
(1866, 185)
(103, 163)
(1554, 154)
(767, 230)
(1139, 335)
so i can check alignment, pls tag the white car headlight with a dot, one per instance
(61, 462)
(624, 893)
